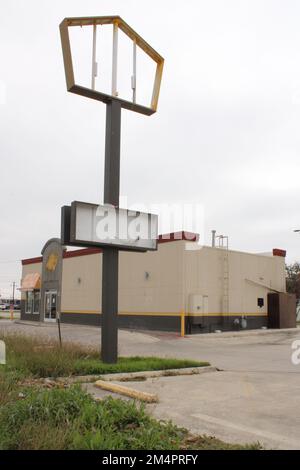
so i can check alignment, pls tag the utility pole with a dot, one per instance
(13, 295)
(12, 305)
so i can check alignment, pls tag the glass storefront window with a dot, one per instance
(50, 305)
(36, 301)
(32, 303)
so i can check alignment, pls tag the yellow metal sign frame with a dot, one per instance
(118, 22)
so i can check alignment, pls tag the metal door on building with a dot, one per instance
(50, 305)
(198, 307)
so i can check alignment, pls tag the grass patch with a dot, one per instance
(45, 358)
(134, 364)
(70, 419)
(8, 385)
(212, 443)
(73, 420)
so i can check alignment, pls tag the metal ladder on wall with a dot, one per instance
(223, 244)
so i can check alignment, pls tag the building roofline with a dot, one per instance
(275, 252)
(279, 252)
(81, 252)
(164, 238)
(38, 259)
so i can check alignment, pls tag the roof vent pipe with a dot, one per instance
(213, 238)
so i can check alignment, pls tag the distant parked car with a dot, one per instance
(4, 307)
(17, 306)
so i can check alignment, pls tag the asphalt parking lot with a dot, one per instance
(255, 395)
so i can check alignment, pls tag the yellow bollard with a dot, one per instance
(11, 313)
(182, 324)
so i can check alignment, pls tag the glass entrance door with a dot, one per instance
(50, 305)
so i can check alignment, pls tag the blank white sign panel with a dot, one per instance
(106, 225)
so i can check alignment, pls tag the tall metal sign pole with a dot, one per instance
(110, 259)
(114, 105)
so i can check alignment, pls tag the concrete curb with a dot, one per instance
(239, 334)
(127, 376)
(131, 376)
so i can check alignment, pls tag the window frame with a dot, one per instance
(37, 293)
(30, 302)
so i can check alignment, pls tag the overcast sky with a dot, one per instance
(226, 134)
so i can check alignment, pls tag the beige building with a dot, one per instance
(214, 288)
